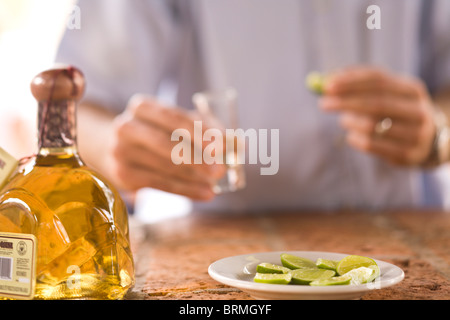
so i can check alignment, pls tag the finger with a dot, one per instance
(149, 110)
(388, 149)
(141, 157)
(158, 142)
(169, 119)
(400, 131)
(373, 80)
(353, 80)
(377, 106)
(157, 146)
(134, 178)
(152, 138)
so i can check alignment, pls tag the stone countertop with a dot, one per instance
(172, 256)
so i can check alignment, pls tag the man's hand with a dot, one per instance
(142, 149)
(366, 96)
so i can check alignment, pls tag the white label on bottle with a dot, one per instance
(17, 265)
(8, 165)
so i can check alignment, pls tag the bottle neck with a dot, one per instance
(57, 128)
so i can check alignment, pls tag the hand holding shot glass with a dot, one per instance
(212, 144)
(217, 140)
(219, 110)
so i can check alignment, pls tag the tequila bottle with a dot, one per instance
(78, 220)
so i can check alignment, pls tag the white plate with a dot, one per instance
(238, 272)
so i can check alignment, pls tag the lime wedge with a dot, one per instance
(293, 262)
(352, 269)
(333, 281)
(375, 274)
(326, 264)
(273, 278)
(315, 82)
(271, 268)
(305, 276)
(359, 275)
(353, 262)
(356, 276)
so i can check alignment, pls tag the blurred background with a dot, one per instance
(29, 34)
(30, 31)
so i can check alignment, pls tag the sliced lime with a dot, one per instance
(315, 82)
(293, 262)
(359, 275)
(271, 268)
(353, 262)
(326, 264)
(375, 273)
(305, 276)
(333, 281)
(273, 278)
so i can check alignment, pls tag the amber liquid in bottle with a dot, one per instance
(79, 220)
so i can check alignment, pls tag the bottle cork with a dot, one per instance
(58, 84)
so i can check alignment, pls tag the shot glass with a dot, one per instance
(219, 109)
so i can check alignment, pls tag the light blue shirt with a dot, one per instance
(265, 49)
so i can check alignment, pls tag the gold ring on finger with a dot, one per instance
(383, 126)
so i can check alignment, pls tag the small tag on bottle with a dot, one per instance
(17, 265)
(8, 165)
